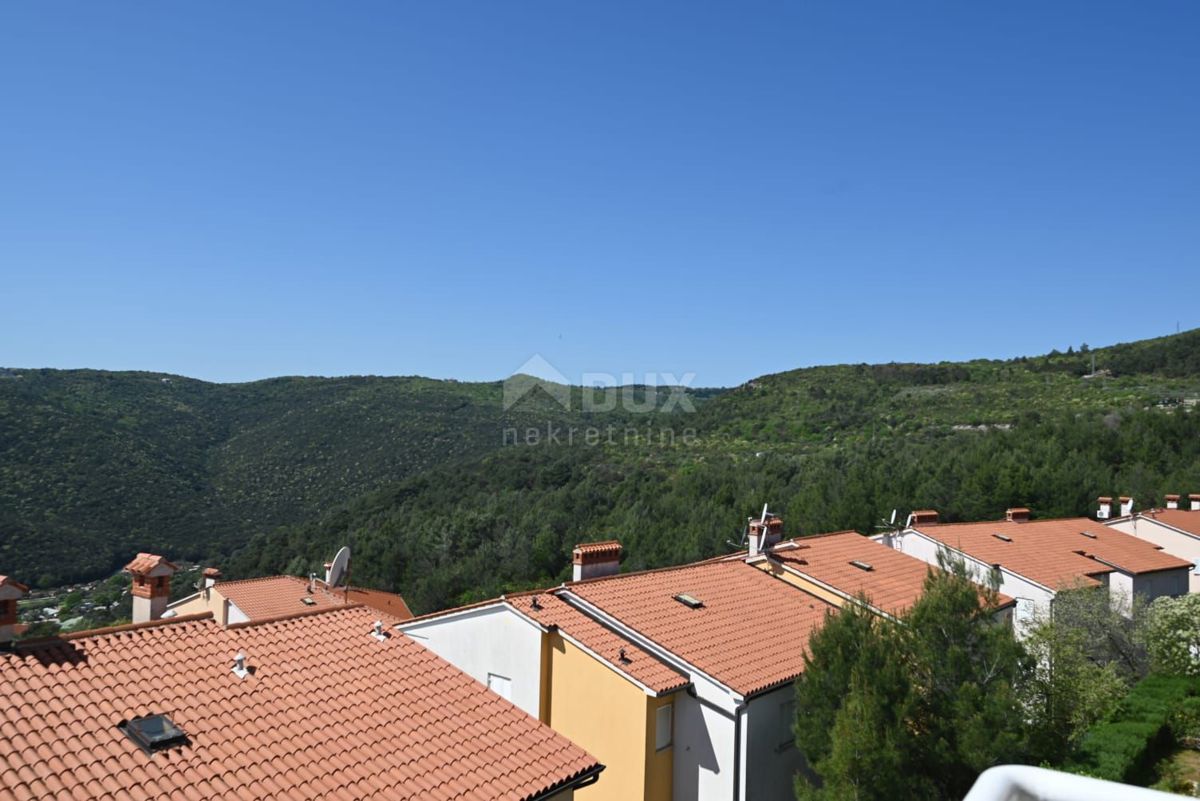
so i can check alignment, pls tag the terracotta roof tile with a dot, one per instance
(388, 602)
(276, 596)
(145, 562)
(1048, 551)
(328, 712)
(1182, 519)
(750, 634)
(893, 583)
(638, 663)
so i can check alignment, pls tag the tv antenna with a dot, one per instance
(741, 543)
(888, 526)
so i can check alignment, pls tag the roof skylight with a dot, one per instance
(1088, 534)
(689, 600)
(861, 565)
(1004, 537)
(153, 732)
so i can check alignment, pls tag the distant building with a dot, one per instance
(1031, 560)
(1174, 528)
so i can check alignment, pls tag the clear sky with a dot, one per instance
(235, 190)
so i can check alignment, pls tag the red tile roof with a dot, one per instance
(638, 663)
(328, 711)
(894, 582)
(388, 602)
(275, 596)
(1182, 519)
(1046, 551)
(145, 562)
(750, 634)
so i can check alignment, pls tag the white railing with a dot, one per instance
(1025, 783)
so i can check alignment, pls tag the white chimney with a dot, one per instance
(377, 631)
(1195, 499)
(594, 559)
(211, 576)
(1105, 510)
(11, 591)
(765, 533)
(1172, 501)
(1126, 506)
(239, 665)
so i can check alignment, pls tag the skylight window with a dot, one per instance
(1003, 537)
(861, 565)
(308, 600)
(153, 732)
(689, 601)
(1088, 534)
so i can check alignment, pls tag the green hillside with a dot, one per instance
(421, 477)
(96, 465)
(829, 447)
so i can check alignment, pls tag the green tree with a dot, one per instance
(914, 708)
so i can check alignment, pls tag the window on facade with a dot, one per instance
(787, 714)
(662, 726)
(500, 685)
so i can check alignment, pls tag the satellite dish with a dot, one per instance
(338, 567)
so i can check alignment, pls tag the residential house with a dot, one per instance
(678, 679)
(1031, 560)
(322, 702)
(1173, 528)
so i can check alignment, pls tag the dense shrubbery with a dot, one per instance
(1126, 747)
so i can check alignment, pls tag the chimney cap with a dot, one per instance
(1017, 513)
(1195, 496)
(212, 572)
(1105, 499)
(1126, 498)
(1171, 497)
(924, 516)
(603, 551)
(150, 564)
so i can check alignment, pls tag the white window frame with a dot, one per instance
(500, 685)
(664, 730)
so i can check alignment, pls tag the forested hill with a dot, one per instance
(424, 479)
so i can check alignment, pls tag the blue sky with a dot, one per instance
(241, 190)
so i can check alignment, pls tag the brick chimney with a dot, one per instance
(1195, 499)
(1126, 506)
(1105, 510)
(1172, 501)
(923, 517)
(593, 559)
(151, 586)
(765, 534)
(1017, 514)
(11, 591)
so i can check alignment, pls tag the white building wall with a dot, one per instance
(1033, 600)
(704, 744)
(772, 757)
(1171, 541)
(489, 640)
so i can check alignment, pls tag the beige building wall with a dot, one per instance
(612, 719)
